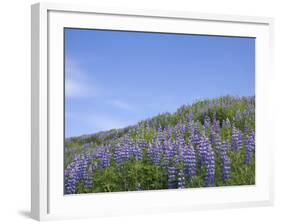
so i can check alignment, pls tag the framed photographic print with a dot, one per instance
(138, 111)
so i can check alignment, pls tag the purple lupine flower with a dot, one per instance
(166, 157)
(171, 177)
(191, 139)
(217, 142)
(207, 121)
(154, 153)
(224, 146)
(142, 143)
(225, 162)
(94, 167)
(71, 178)
(227, 123)
(212, 135)
(127, 148)
(190, 123)
(87, 180)
(183, 128)
(203, 151)
(196, 135)
(216, 126)
(236, 139)
(137, 152)
(190, 117)
(175, 152)
(86, 173)
(85, 146)
(77, 170)
(190, 162)
(180, 129)
(210, 167)
(250, 147)
(124, 150)
(240, 139)
(181, 179)
(237, 116)
(160, 135)
(118, 156)
(180, 140)
(169, 152)
(169, 132)
(102, 157)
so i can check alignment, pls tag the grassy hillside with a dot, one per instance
(210, 143)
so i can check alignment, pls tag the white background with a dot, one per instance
(15, 110)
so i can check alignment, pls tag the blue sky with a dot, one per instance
(115, 79)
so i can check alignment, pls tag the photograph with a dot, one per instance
(157, 111)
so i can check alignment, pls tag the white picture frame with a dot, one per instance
(47, 198)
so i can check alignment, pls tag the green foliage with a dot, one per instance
(130, 176)
(143, 175)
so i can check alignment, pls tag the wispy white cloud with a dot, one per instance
(77, 81)
(78, 89)
(122, 105)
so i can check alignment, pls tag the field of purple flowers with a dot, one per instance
(210, 143)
